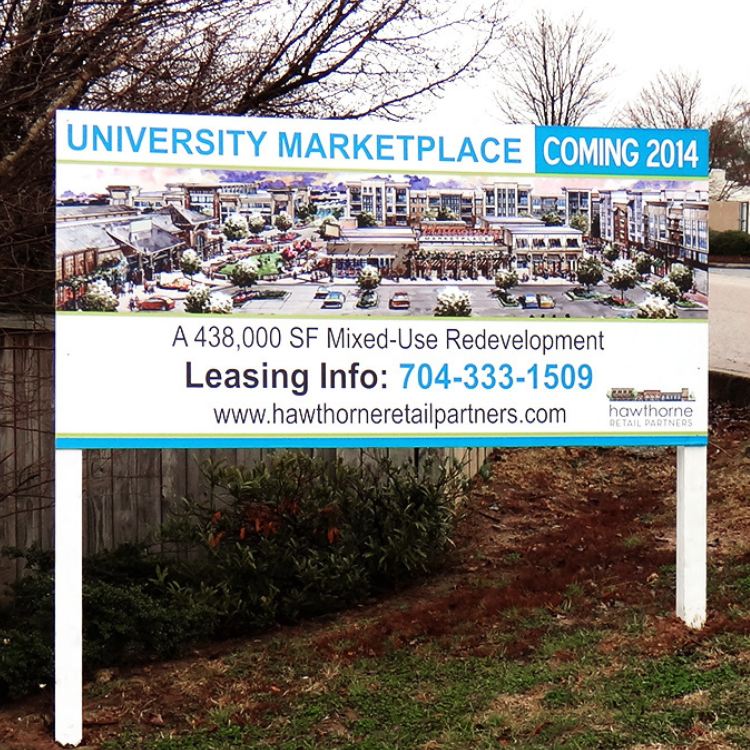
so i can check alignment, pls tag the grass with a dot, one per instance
(592, 684)
(267, 265)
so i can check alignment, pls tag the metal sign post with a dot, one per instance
(691, 534)
(68, 596)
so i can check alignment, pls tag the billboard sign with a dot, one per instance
(252, 282)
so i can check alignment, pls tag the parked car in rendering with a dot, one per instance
(530, 302)
(244, 295)
(156, 302)
(399, 301)
(545, 301)
(367, 299)
(181, 284)
(321, 292)
(334, 299)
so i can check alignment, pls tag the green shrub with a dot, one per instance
(127, 622)
(298, 536)
(25, 659)
(730, 242)
(293, 537)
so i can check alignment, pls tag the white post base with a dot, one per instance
(691, 535)
(68, 597)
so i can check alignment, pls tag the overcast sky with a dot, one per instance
(647, 36)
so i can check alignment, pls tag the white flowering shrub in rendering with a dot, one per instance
(256, 223)
(666, 288)
(656, 307)
(219, 303)
(200, 299)
(235, 227)
(197, 298)
(368, 278)
(190, 263)
(453, 302)
(244, 273)
(99, 297)
(624, 275)
(505, 280)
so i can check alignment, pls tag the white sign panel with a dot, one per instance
(260, 382)
(527, 286)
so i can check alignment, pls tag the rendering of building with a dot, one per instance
(506, 199)
(89, 239)
(387, 201)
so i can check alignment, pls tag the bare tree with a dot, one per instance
(322, 58)
(674, 99)
(553, 73)
(729, 145)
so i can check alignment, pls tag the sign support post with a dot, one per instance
(68, 597)
(691, 534)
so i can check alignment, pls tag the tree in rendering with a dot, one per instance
(580, 221)
(446, 214)
(666, 289)
(453, 302)
(554, 72)
(244, 273)
(99, 297)
(590, 272)
(624, 276)
(293, 58)
(368, 278)
(283, 221)
(611, 253)
(643, 263)
(235, 227)
(505, 280)
(306, 211)
(681, 276)
(553, 219)
(190, 263)
(674, 99)
(366, 219)
(256, 224)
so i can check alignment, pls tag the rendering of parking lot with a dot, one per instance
(309, 244)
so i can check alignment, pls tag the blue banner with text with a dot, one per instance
(622, 151)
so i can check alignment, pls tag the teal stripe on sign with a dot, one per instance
(87, 443)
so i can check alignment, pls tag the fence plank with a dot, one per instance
(99, 522)
(124, 499)
(147, 487)
(45, 399)
(8, 456)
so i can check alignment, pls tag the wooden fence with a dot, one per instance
(127, 493)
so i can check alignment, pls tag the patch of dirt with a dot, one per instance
(556, 531)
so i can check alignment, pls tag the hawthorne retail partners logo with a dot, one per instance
(631, 408)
